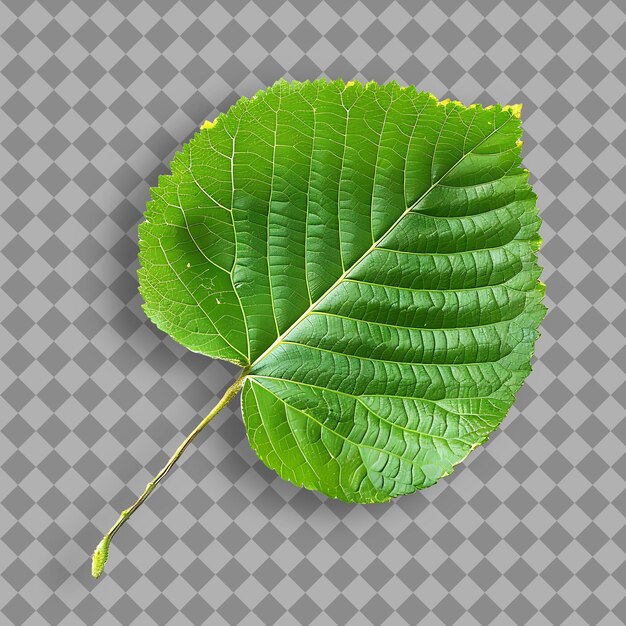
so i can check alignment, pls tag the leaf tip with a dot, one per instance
(516, 109)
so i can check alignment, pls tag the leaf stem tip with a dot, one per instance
(100, 556)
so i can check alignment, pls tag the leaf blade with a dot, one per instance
(385, 259)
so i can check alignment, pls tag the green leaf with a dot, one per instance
(369, 255)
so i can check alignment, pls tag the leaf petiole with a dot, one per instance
(101, 553)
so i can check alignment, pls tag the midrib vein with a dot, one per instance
(279, 340)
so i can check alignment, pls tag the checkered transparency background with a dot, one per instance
(95, 97)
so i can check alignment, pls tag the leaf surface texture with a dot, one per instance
(370, 254)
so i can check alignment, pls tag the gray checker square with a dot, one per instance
(94, 99)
